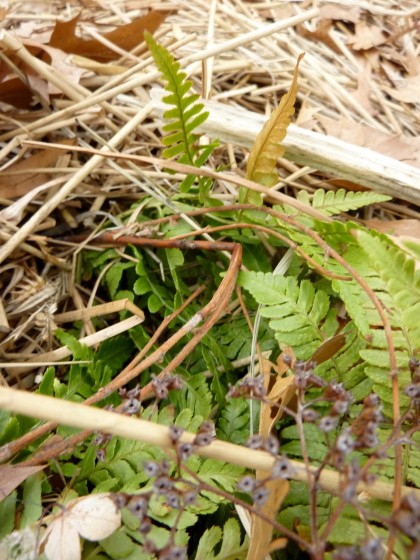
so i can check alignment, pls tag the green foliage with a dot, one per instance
(184, 117)
(231, 547)
(299, 315)
(331, 203)
(233, 423)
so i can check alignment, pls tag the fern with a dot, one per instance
(233, 424)
(185, 116)
(403, 288)
(331, 203)
(300, 315)
(231, 547)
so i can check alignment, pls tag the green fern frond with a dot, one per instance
(185, 115)
(233, 422)
(331, 203)
(403, 287)
(231, 547)
(300, 315)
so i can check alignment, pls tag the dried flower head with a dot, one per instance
(247, 483)
(259, 496)
(282, 468)
(175, 432)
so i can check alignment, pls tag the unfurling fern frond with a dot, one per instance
(185, 115)
(331, 203)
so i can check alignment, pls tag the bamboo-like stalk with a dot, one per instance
(81, 416)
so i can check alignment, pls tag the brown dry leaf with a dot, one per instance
(320, 34)
(397, 228)
(406, 90)
(267, 147)
(336, 12)
(280, 390)
(402, 148)
(22, 177)
(366, 36)
(14, 92)
(126, 37)
(328, 348)
(13, 475)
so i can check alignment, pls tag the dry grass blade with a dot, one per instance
(81, 416)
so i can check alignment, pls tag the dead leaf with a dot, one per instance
(366, 36)
(22, 177)
(93, 518)
(403, 148)
(13, 475)
(406, 90)
(267, 147)
(14, 92)
(340, 13)
(397, 228)
(328, 348)
(126, 37)
(320, 34)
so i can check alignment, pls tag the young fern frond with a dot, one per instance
(332, 203)
(185, 115)
(267, 147)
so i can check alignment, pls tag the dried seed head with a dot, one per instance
(203, 439)
(138, 506)
(134, 392)
(172, 499)
(345, 442)
(254, 442)
(175, 432)
(412, 391)
(282, 468)
(175, 382)
(190, 497)
(340, 407)
(131, 406)
(207, 427)
(151, 469)
(173, 552)
(162, 485)
(271, 445)
(101, 454)
(247, 483)
(328, 423)
(372, 401)
(145, 526)
(372, 550)
(259, 496)
(309, 415)
(120, 500)
(185, 451)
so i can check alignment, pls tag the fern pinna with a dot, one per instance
(183, 118)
